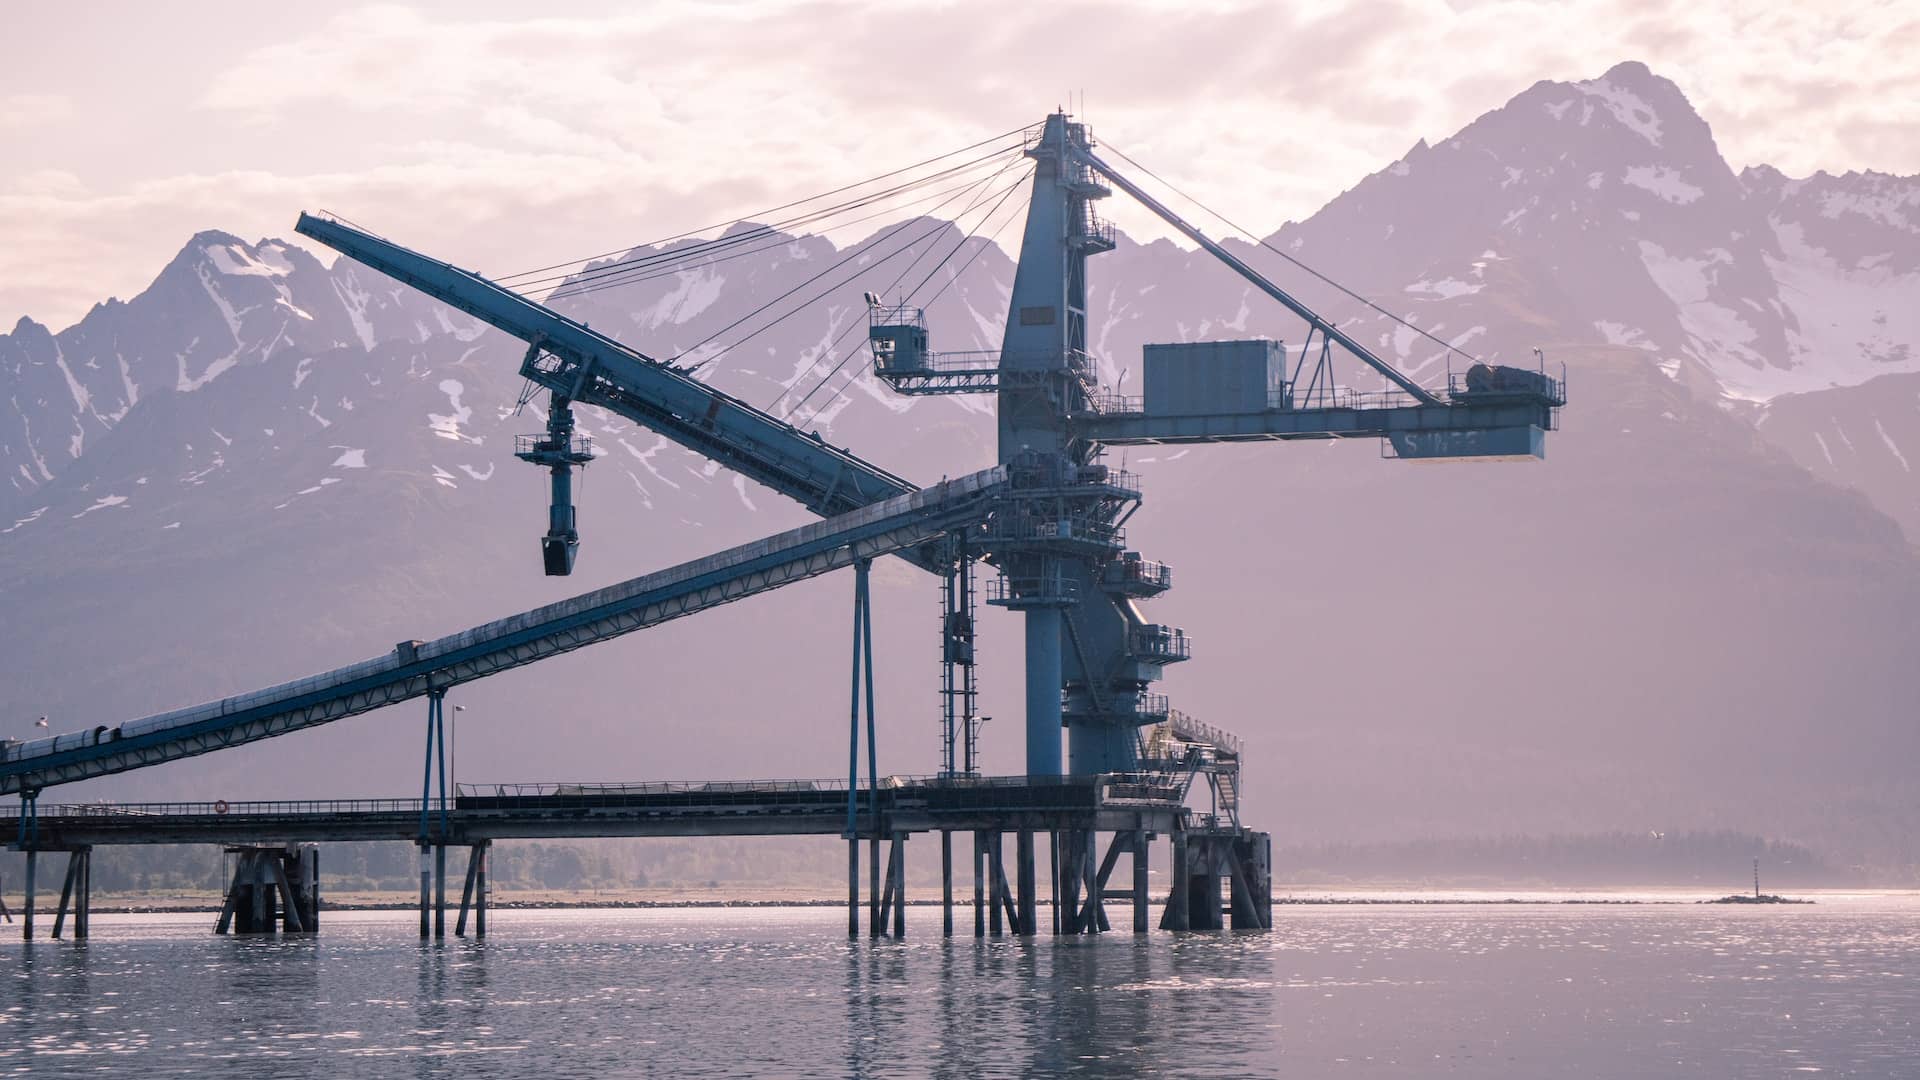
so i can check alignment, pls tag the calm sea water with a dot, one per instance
(1376, 991)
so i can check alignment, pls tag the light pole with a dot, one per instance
(454, 745)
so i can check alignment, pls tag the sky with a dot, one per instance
(506, 136)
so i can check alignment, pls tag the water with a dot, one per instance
(1375, 991)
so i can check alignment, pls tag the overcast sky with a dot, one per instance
(504, 136)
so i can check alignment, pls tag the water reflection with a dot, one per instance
(1386, 992)
(1113, 1005)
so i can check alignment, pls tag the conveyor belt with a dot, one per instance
(414, 668)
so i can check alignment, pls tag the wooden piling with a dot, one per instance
(885, 901)
(290, 917)
(1175, 916)
(899, 861)
(946, 883)
(873, 885)
(979, 884)
(480, 891)
(1140, 881)
(66, 894)
(853, 887)
(440, 889)
(426, 885)
(26, 915)
(1028, 897)
(997, 881)
(466, 890)
(83, 918)
(232, 906)
(1053, 878)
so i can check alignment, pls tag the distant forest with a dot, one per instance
(1712, 860)
(1715, 861)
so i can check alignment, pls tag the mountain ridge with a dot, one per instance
(1408, 651)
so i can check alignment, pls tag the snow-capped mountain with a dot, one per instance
(262, 466)
(1608, 203)
(1866, 437)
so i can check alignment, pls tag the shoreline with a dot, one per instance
(210, 904)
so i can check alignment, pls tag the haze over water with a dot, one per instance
(1359, 991)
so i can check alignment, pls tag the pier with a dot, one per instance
(276, 881)
(1105, 754)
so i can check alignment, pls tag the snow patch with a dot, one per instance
(443, 477)
(447, 425)
(350, 459)
(102, 503)
(355, 301)
(234, 259)
(1893, 449)
(740, 489)
(301, 370)
(1622, 334)
(1824, 452)
(1721, 339)
(28, 520)
(694, 292)
(1844, 324)
(1664, 182)
(1629, 108)
(1445, 288)
(477, 474)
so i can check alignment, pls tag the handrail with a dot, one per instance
(832, 791)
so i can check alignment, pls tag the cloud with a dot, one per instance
(519, 140)
(25, 112)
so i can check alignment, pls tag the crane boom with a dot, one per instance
(1365, 355)
(578, 364)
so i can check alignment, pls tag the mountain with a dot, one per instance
(1865, 437)
(1675, 622)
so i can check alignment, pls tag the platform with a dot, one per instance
(1108, 803)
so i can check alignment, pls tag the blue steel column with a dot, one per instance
(426, 808)
(1043, 691)
(853, 775)
(29, 840)
(1032, 354)
(862, 587)
(440, 849)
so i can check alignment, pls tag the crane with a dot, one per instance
(1057, 541)
(1048, 518)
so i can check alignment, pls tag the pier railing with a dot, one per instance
(983, 791)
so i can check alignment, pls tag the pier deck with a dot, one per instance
(1107, 803)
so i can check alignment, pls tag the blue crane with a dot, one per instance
(1061, 554)
(1050, 519)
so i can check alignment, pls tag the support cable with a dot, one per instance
(851, 254)
(654, 259)
(991, 237)
(1021, 130)
(663, 263)
(1296, 262)
(762, 241)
